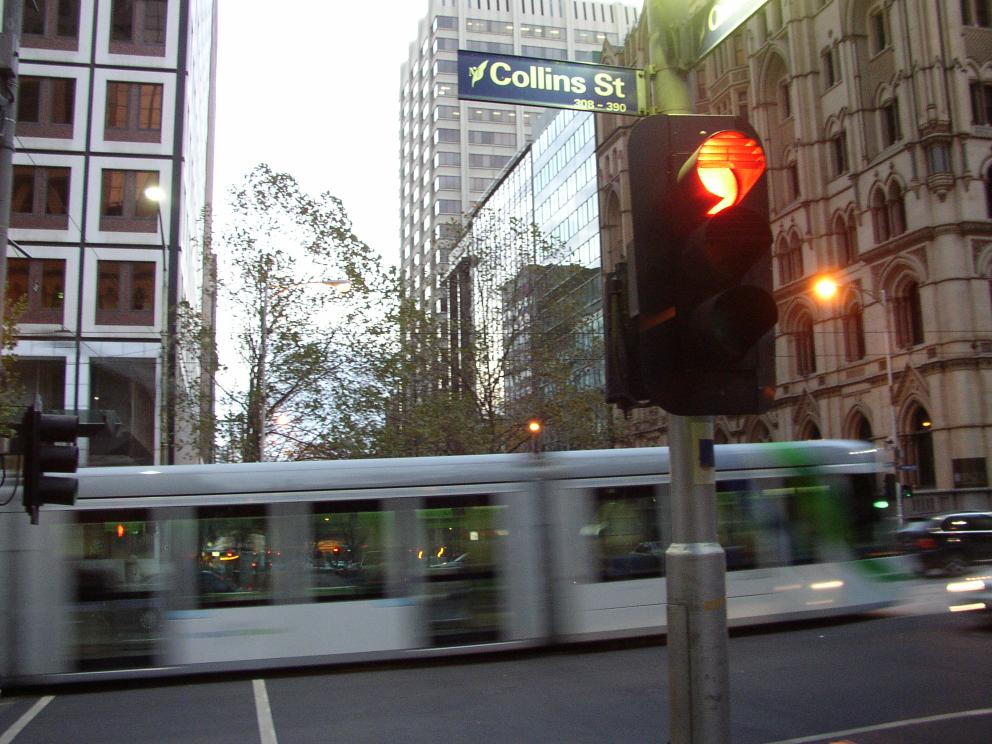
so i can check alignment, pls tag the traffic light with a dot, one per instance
(40, 433)
(698, 300)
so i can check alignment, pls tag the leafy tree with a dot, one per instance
(11, 390)
(300, 389)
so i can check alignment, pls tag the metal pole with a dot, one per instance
(892, 408)
(262, 352)
(10, 41)
(698, 670)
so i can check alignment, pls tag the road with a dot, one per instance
(913, 675)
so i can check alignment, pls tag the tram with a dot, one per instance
(183, 569)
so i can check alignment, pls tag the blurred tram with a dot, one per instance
(185, 569)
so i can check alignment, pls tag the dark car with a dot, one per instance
(951, 543)
(971, 595)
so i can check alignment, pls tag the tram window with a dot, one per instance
(348, 552)
(626, 534)
(458, 555)
(235, 556)
(118, 573)
(801, 520)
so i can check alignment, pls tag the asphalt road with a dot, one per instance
(913, 675)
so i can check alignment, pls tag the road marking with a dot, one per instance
(266, 727)
(884, 726)
(9, 734)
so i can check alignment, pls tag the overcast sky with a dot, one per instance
(311, 87)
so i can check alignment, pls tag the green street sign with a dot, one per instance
(720, 19)
(504, 78)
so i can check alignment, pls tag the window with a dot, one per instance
(889, 122)
(784, 102)
(449, 136)
(447, 158)
(447, 183)
(446, 66)
(501, 139)
(134, 112)
(40, 285)
(447, 206)
(349, 553)
(51, 24)
(938, 158)
(448, 23)
(919, 449)
(138, 27)
(45, 106)
(880, 216)
(878, 26)
(908, 316)
(838, 144)
(40, 198)
(125, 293)
(44, 377)
(804, 346)
(975, 13)
(480, 160)
(124, 388)
(854, 333)
(792, 181)
(123, 204)
(831, 70)
(235, 556)
(626, 534)
(897, 209)
(790, 260)
(981, 103)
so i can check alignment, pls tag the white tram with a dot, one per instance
(181, 569)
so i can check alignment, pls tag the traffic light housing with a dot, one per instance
(696, 309)
(48, 445)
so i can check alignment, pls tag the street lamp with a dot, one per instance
(157, 194)
(340, 285)
(826, 288)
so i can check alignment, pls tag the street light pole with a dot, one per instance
(157, 194)
(826, 288)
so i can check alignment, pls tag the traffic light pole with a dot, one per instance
(698, 675)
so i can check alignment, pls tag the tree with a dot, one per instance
(299, 385)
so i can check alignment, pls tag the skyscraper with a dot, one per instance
(113, 98)
(451, 151)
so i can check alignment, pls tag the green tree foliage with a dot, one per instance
(11, 390)
(298, 343)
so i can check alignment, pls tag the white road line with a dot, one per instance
(884, 726)
(9, 734)
(266, 727)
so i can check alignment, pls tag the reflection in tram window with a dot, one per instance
(235, 556)
(459, 557)
(625, 531)
(348, 554)
(118, 571)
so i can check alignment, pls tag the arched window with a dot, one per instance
(908, 315)
(988, 192)
(852, 239)
(804, 346)
(880, 216)
(859, 428)
(811, 431)
(784, 262)
(896, 209)
(919, 448)
(760, 433)
(795, 256)
(845, 252)
(854, 332)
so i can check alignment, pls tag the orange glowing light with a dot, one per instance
(728, 165)
(825, 288)
(120, 530)
(534, 426)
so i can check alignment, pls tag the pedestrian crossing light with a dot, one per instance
(699, 306)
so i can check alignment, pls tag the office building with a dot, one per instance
(114, 97)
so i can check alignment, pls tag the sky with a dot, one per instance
(311, 87)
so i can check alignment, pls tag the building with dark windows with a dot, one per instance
(451, 151)
(114, 97)
(875, 117)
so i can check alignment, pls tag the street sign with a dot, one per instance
(504, 78)
(718, 20)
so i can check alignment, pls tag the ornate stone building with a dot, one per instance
(877, 121)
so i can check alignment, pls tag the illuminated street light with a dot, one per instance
(825, 288)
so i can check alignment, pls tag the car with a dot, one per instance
(952, 543)
(971, 595)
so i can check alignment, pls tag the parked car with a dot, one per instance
(952, 543)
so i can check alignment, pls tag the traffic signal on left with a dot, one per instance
(48, 445)
(696, 308)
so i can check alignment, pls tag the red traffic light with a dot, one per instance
(727, 165)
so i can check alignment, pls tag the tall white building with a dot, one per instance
(113, 97)
(451, 151)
